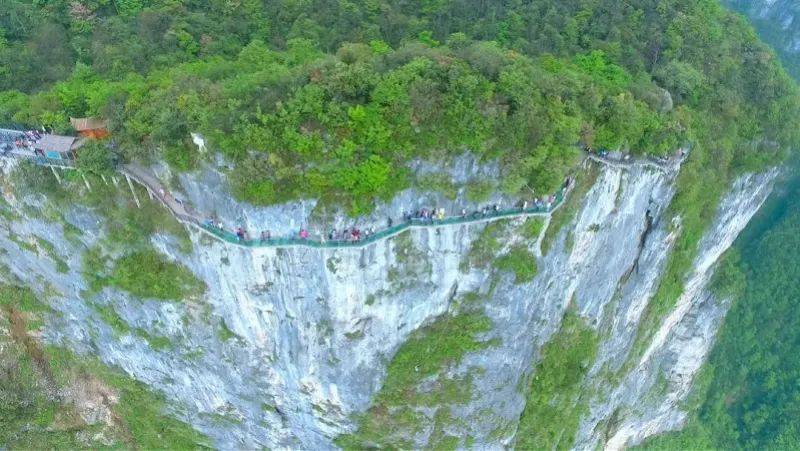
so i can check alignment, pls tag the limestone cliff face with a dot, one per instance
(314, 329)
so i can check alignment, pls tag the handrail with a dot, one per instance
(47, 161)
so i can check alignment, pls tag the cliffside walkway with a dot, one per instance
(156, 191)
(663, 165)
(188, 216)
(321, 242)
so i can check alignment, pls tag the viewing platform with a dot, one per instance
(44, 149)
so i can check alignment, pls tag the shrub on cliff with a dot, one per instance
(148, 274)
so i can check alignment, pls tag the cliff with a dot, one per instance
(288, 345)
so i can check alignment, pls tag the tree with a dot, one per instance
(96, 158)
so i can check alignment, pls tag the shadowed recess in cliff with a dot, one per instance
(561, 217)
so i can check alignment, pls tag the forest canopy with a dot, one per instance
(333, 99)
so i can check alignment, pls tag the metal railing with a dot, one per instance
(46, 161)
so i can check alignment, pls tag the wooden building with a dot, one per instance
(58, 146)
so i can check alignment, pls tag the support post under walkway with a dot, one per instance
(133, 191)
(58, 178)
(86, 182)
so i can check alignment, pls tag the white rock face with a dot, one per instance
(315, 328)
(647, 400)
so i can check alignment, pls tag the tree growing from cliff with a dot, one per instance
(96, 158)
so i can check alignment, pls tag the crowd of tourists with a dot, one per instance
(22, 140)
(420, 216)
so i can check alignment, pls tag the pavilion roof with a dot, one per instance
(88, 123)
(55, 143)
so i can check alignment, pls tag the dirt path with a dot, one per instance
(19, 334)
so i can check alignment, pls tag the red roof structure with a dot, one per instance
(90, 127)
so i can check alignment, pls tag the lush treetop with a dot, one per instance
(332, 99)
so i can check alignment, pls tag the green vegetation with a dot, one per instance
(532, 228)
(772, 30)
(141, 411)
(50, 250)
(94, 268)
(21, 298)
(554, 405)
(438, 182)
(225, 333)
(480, 190)
(140, 269)
(156, 342)
(331, 100)
(397, 410)
(143, 273)
(129, 226)
(28, 178)
(149, 274)
(29, 418)
(110, 316)
(95, 158)
(520, 261)
(747, 395)
(128, 231)
(486, 246)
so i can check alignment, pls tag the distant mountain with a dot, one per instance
(778, 23)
